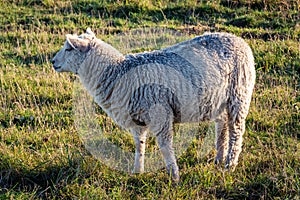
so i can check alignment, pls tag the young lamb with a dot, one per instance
(210, 77)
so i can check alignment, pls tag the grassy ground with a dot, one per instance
(41, 154)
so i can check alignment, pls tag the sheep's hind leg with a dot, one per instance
(236, 131)
(222, 137)
(140, 145)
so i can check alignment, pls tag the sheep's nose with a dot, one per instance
(52, 61)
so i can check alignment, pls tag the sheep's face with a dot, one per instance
(74, 51)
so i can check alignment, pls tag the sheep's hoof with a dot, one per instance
(220, 158)
(218, 161)
(175, 178)
(174, 172)
(137, 171)
(230, 167)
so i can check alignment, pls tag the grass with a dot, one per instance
(41, 152)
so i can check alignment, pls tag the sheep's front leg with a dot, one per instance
(170, 160)
(165, 143)
(161, 124)
(140, 145)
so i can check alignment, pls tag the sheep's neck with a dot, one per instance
(99, 60)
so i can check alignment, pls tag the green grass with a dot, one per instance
(41, 153)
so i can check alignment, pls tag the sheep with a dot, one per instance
(208, 78)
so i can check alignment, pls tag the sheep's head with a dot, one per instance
(74, 51)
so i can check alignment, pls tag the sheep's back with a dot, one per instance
(191, 79)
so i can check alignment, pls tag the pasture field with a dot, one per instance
(41, 153)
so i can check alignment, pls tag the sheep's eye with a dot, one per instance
(69, 49)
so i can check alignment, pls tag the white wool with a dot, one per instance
(210, 77)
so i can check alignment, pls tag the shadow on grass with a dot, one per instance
(134, 12)
(56, 180)
(187, 14)
(261, 186)
(17, 178)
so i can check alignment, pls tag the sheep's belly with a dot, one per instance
(200, 111)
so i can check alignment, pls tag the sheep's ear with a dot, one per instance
(78, 43)
(89, 32)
